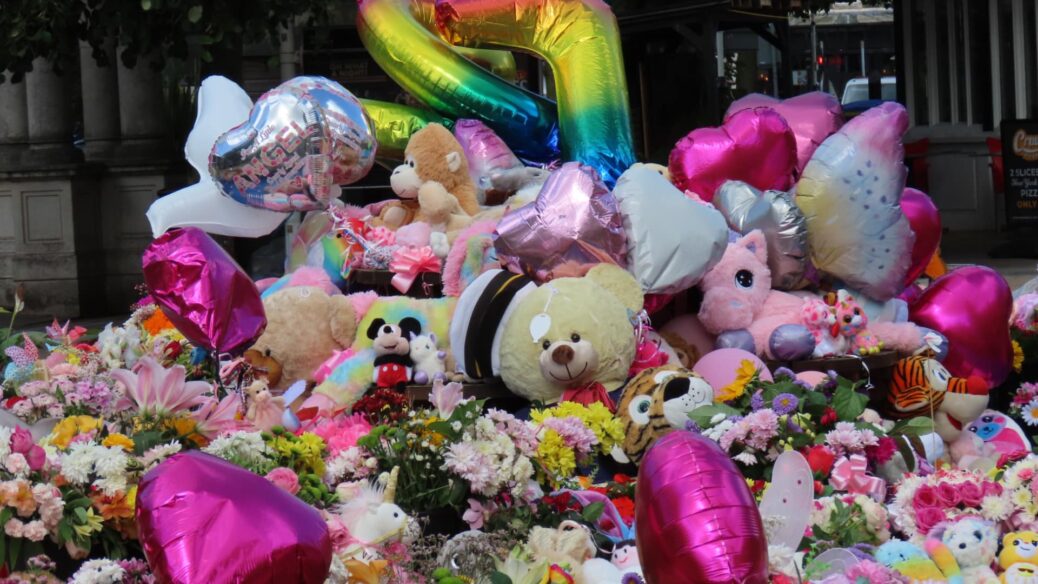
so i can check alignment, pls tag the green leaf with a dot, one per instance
(4, 310)
(703, 414)
(14, 550)
(144, 441)
(194, 14)
(919, 426)
(848, 403)
(145, 5)
(499, 578)
(206, 56)
(592, 512)
(3, 548)
(81, 514)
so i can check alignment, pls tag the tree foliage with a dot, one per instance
(155, 29)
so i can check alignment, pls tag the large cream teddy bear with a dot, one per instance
(305, 326)
(562, 337)
(433, 183)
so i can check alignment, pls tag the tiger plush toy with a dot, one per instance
(655, 402)
(921, 386)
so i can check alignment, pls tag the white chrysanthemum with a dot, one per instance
(246, 449)
(157, 454)
(78, 463)
(99, 572)
(746, 458)
(996, 508)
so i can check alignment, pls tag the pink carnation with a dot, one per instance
(284, 478)
(342, 433)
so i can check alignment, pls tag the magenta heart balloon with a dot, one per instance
(574, 224)
(696, 521)
(755, 146)
(203, 291)
(206, 521)
(813, 117)
(925, 221)
(971, 307)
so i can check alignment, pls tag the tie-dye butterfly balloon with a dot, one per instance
(23, 356)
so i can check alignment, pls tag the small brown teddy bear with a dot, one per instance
(433, 182)
(263, 409)
(305, 326)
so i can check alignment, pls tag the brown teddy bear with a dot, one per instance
(433, 182)
(305, 326)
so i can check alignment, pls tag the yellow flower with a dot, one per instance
(743, 375)
(72, 359)
(93, 524)
(186, 429)
(1018, 357)
(558, 458)
(119, 440)
(72, 426)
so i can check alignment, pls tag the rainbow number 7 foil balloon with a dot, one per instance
(578, 38)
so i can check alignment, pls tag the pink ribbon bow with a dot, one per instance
(408, 262)
(849, 474)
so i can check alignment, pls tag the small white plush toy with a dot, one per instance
(429, 362)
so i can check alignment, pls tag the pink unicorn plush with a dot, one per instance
(738, 303)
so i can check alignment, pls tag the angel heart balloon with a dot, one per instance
(850, 194)
(695, 519)
(302, 140)
(777, 216)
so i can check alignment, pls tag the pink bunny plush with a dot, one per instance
(737, 296)
(738, 302)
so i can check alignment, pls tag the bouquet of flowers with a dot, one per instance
(923, 502)
(1025, 403)
(771, 417)
(847, 521)
(1020, 485)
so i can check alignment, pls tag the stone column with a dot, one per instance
(47, 111)
(14, 122)
(100, 102)
(142, 111)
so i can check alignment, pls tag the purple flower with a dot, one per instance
(757, 401)
(692, 426)
(793, 426)
(631, 578)
(784, 403)
(784, 372)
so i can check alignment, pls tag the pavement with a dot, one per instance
(1013, 254)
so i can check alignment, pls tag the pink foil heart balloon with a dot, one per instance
(574, 224)
(695, 519)
(206, 521)
(755, 146)
(203, 291)
(813, 117)
(925, 221)
(971, 307)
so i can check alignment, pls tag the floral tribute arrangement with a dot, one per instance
(482, 494)
(551, 419)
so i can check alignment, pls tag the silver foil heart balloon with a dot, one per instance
(776, 214)
(302, 140)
